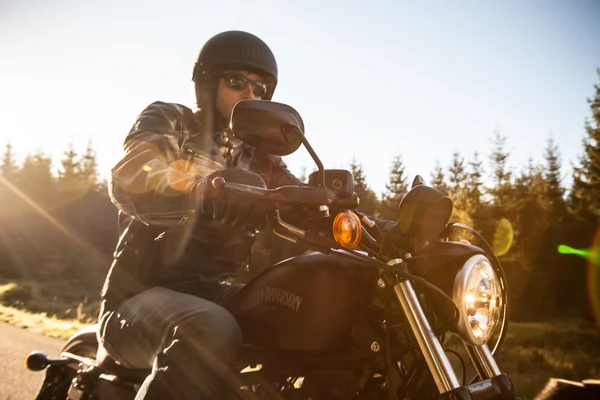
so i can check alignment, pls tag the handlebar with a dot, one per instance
(302, 195)
(299, 195)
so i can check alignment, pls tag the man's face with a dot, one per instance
(236, 85)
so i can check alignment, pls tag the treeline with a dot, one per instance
(62, 225)
(55, 225)
(524, 214)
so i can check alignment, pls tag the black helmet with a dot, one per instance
(232, 49)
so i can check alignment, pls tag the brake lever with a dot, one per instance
(299, 236)
(299, 233)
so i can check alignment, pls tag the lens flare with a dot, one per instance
(503, 237)
(7, 238)
(593, 271)
(564, 249)
(180, 175)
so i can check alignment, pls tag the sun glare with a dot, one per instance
(39, 210)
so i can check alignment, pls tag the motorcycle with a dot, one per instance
(365, 314)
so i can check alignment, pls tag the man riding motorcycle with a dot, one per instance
(162, 299)
(178, 244)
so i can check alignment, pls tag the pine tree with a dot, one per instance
(529, 201)
(9, 167)
(554, 192)
(584, 209)
(530, 182)
(499, 161)
(502, 177)
(396, 188)
(474, 183)
(89, 169)
(9, 171)
(530, 224)
(563, 281)
(456, 189)
(456, 177)
(368, 198)
(578, 202)
(476, 205)
(438, 179)
(36, 181)
(584, 199)
(69, 174)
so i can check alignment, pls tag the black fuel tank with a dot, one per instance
(307, 303)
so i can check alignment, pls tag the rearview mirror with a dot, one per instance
(268, 126)
(424, 212)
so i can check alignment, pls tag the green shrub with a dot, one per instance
(13, 294)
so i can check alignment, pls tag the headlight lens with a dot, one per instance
(478, 295)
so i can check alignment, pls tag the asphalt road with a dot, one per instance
(16, 382)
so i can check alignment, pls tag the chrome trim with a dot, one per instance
(483, 360)
(324, 209)
(289, 227)
(80, 359)
(437, 361)
(297, 232)
(281, 235)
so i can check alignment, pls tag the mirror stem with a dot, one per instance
(310, 151)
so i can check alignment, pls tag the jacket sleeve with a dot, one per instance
(281, 175)
(153, 181)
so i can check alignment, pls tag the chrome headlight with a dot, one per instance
(478, 294)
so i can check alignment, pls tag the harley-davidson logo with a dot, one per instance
(273, 295)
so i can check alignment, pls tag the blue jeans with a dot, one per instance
(189, 342)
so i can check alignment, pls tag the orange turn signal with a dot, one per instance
(347, 229)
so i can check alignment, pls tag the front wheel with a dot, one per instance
(59, 378)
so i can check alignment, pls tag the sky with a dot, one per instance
(372, 80)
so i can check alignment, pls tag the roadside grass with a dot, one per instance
(531, 354)
(40, 322)
(56, 309)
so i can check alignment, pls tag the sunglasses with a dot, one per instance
(240, 82)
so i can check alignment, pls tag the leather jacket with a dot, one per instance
(163, 240)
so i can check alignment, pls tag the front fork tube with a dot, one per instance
(484, 362)
(431, 348)
(437, 361)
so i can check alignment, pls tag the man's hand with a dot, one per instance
(232, 208)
